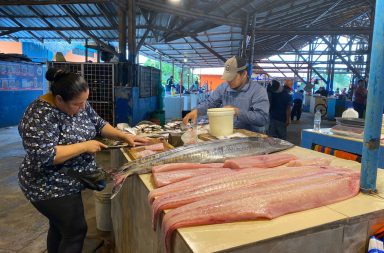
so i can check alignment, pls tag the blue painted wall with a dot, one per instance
(37, 52)
(130, 108)
(13, 105)
(20, 84)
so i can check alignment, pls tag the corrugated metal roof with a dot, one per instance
(215, 23)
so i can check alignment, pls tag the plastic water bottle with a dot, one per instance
(317, 121)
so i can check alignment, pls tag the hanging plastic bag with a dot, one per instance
(190, 136)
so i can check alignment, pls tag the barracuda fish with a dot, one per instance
(205, 152)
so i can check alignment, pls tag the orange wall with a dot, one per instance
(10, 47)
(213, 80)
(70, 57)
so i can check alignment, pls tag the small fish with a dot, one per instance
(206, 152)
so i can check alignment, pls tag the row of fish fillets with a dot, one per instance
(247, 188)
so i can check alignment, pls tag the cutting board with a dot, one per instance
(133, 152)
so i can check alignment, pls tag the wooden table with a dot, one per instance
(340, 227)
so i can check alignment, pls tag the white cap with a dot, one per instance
(231, 68)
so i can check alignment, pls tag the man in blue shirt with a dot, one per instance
(249, 99)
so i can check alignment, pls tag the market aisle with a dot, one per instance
(305, 122)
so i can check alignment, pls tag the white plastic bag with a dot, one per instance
(375, 245)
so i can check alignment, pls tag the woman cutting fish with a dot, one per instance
(57, 131)
(250, 100)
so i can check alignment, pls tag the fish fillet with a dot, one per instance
(244, 204)
(145, 153)
(244, 178)
(168, 177)
(155, 147)
(259, 161)
(308, 162)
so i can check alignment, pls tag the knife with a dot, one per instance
(118, 146)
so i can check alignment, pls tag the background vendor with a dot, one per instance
(249, 99)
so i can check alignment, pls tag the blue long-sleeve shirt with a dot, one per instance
(298, 95)
(251, 99)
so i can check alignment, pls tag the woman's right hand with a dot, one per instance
(93, 146)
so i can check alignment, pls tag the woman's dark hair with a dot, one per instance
(66, 84)
(241, 62)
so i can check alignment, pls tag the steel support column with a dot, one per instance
(122, 34)
(331, 70)
(309, 73)
(367, 67)
(86, 50)
(173, 69)
(131, 31)
(252, 49)
(243, 48)
(374, 113)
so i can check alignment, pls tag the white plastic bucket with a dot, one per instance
(103, 208)
(221, 121)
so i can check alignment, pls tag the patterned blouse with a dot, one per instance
(42, 128)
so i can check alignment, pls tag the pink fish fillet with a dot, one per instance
(210, 179)
(259, 161)
(155, 147)
(247, 204)
(178, 186)
(184, 166)
(240, 179)
(308, 162)
(145, 153)
(169, 177)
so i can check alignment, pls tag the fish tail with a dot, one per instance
(119, 180)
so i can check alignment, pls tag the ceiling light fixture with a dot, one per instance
(174, 1)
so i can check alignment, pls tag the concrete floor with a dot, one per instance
(24, 230)
(305, 122)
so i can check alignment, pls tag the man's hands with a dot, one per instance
(190, 116)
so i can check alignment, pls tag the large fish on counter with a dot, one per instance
(205, 152)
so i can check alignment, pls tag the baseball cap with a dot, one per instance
(231, 67)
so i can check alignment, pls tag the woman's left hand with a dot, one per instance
(133, 139)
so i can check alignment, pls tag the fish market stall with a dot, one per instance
(326, 138)
(340, 227)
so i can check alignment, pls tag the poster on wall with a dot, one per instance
(20, 76)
